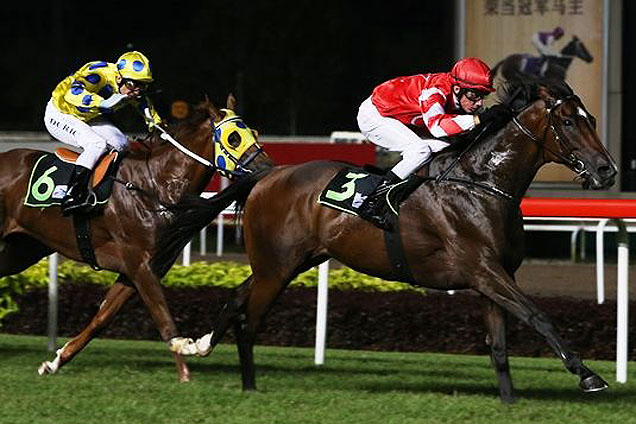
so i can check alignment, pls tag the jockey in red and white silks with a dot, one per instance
(443, 104)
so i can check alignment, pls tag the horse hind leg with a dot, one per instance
(495, 320)
(115, 298)
(259, 298)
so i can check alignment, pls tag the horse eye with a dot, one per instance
(234, 139)
(567, 122)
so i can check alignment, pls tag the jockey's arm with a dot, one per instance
(84, 100)
(442, 124)
(143, 104)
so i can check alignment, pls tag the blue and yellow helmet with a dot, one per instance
(135, 66)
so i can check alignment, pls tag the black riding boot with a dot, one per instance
(78, 193)
(375, 206)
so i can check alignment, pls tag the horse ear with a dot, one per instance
(231, 102)
(545, 94)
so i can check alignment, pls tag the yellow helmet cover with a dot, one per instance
(232, 139)
(135, 66)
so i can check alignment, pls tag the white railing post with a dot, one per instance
(52, 324)
(203, 242)
(600, 261)
(219, 235)
(321, 313)
(622, 302)
(187, 252)
(573, 238)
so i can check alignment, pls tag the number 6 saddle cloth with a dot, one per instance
(351, 186)
(52, 172)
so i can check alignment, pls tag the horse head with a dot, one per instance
(576, 48)
(566, 132)
(236, 148)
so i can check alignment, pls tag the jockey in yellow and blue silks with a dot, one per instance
(77, 114)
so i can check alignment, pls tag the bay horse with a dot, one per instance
(147, 183)
(553, 67)
(461, 232)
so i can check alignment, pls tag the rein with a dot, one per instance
(570, 161)
(487, 187)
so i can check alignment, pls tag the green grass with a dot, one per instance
(135, 382)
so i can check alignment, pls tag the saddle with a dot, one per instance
(103, 165)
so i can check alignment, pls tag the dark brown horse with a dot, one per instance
(124, 233)
(465, 232)
(554, 67)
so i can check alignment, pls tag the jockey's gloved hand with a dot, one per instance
(497, 113)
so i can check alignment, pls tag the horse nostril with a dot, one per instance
(606, 171)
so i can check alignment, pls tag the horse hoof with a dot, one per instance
(46, 369)
(204, 348)
(182, 346)
(593, 383)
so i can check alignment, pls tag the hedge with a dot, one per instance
(199, 274)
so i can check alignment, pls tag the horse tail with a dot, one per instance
(193, 213)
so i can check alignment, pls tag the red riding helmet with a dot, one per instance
(473, 73)
(558, 32)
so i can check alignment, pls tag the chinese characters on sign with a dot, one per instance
(533, 7)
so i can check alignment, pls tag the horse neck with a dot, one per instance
(174, 172)
(509, 160)
(563, 61)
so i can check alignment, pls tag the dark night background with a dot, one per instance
(296, 67)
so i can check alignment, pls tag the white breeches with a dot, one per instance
(395, 136)
(93, 137)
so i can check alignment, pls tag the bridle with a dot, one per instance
(571, 161)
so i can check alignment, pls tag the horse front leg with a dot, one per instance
(498, 286)
(149, 289)
(495, 319)
(116, 297)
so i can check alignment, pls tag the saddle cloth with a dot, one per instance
(351, 186)
(51, 173)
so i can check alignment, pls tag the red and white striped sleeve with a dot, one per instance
(438, 122)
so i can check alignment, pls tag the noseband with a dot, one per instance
(571, 160)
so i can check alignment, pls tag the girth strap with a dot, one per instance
(83, 237)
(395, 249)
